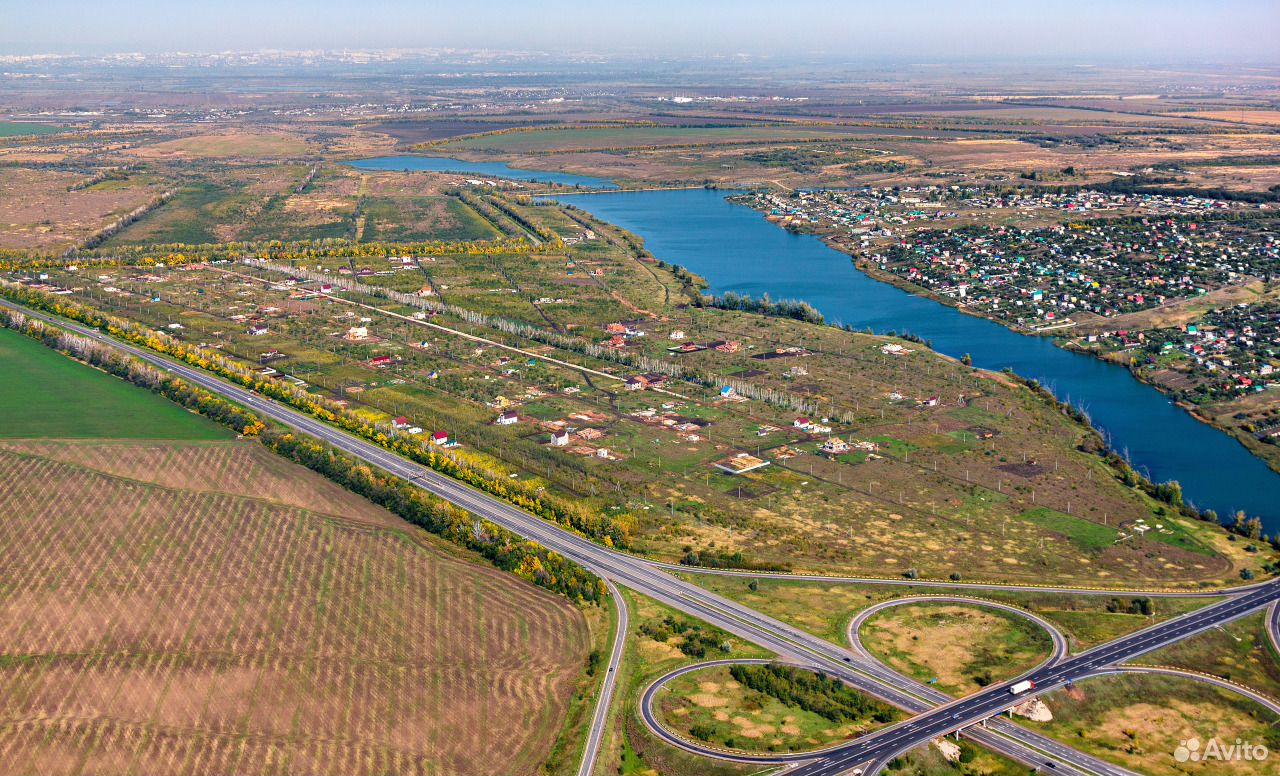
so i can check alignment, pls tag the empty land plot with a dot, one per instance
(592, 138)
(1138, 722)
(156, 629)
(44, 394)
(235, 143)
(959, 648)
(406, 219)
(38, 212)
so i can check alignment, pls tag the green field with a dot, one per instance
(44, 394)
(1084, 534)
(406, 219)
(19, 128)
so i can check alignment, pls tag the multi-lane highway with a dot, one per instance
(788, 642)
(947, 718)
(1058, 639)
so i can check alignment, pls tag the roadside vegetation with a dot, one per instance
(1239, 651)
(957, 648)
(768, 708)
(826, 608)
(1139, 721)
(628, 747)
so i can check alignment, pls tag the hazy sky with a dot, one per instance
(917, 30)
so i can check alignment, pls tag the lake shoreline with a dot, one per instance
(1246, 440)
(737, 250)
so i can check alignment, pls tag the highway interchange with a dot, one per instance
(935, 714)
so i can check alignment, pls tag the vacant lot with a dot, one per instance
(238, 143)
(44, 394)
(594, 138)
(197, 626)
(38, 211)
(965, 648)
(404, 219)
(1138, 721)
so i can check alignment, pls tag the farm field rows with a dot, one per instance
(161, 619)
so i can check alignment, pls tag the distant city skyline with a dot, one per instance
(1172, 30)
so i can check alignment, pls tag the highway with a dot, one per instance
(1056, 636)
(788, 642)
(600, 719)
(885, 744)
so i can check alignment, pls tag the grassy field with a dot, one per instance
(630, 137)
(161, 619)
(927, 760)
(958, 648)
(404, 219)
(222, 145)
(20, 128)
(825, 609)
(710, 705)
(1239, 651)
(1138, 721)
(44, 394)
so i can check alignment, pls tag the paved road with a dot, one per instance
(1007, 588)
(881, 746)
(1058, 652)
(788, 642)
(651, 721)
(600, 719)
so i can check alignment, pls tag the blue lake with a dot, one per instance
(737, 250)
(486, 169)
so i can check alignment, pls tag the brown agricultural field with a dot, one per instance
(163, 617)
(37, 211)
(227, 144)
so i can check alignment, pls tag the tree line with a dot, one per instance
(503, 548)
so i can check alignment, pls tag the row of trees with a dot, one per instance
(501, 547)
(506, 550)
(785, 308)
(613, 531)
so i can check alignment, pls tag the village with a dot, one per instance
(682, 419)
(1180, 289)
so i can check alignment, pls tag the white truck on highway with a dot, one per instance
(1018, 688)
